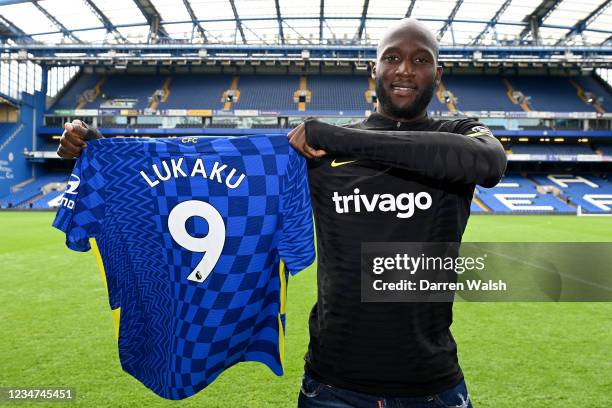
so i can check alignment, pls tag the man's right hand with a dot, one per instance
(73, 139)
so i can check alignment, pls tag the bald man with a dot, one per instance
(389, 354)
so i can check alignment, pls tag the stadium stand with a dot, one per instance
(139, 87)
(69, 98)
(32, 190)
(264, 126)
(335, 93)
(472, 90)
(605, 150)
(189, 125)
(535, 127)
(267, 92)
(48, 200)
(192, 91)
(592, 84)
(540, 149)
(551, 93)
(588, 191)
(496, 127)
(519, 194)
(331, 92)
(338, 93)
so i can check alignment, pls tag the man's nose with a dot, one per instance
(405, 68)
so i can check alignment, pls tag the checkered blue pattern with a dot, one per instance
(176, 335)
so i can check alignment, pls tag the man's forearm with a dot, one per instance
(448, 157)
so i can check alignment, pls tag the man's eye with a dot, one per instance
(422, 60)
(391, 58)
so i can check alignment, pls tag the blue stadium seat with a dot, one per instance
(592, 84)
(516, 184)
(267, 92)
(197, 91)
(31, 190)
(479, 92)
(130, 86)
(550, 93)
(338, 93)
(43, 202)
(576, 191)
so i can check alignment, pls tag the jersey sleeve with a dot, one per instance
(296, 246)
(82, 205)
(454, 157)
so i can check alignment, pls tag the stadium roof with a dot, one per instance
(308, 22)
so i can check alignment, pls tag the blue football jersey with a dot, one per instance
(195, 239)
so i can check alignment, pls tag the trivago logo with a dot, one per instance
(71, 188)
(404, 203)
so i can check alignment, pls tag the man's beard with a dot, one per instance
(408, 112)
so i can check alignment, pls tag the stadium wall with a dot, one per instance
(14, 168)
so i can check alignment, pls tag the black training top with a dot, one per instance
(389, 349)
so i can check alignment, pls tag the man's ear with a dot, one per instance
(439, 70)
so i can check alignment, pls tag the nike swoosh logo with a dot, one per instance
(334, 163)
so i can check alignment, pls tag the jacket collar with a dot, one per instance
(378, 121)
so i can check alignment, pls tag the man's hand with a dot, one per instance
(297, 139)
(72, 140)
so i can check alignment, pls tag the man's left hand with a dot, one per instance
(297, 139)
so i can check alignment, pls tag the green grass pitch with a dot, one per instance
(56, 330)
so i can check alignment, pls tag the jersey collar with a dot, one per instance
(378, 121)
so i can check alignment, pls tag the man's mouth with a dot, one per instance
(403, 89)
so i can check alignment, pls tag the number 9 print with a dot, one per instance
(211, 244)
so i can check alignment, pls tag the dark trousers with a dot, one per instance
(314, 394)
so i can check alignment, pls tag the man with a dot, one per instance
(389, 354)
(384, 354)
